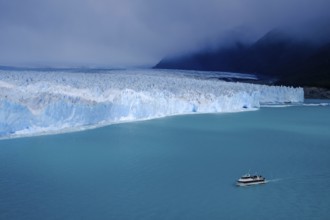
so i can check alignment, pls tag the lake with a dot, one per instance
(181, 167)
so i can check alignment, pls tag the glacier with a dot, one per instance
(36, 102)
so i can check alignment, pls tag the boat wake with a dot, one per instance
(273, 180)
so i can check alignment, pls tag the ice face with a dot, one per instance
(39, 101)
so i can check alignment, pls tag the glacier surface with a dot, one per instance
(35, 102)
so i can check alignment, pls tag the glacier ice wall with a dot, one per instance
(42, 101)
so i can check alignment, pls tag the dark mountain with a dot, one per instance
(220, 60)
(313, 71)
(275, 55)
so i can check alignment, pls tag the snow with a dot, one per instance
(44, 101)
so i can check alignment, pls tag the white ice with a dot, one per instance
(39, 101)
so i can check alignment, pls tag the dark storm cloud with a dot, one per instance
(140, 32)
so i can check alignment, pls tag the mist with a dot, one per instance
(133, 33)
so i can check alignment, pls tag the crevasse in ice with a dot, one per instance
(40, 101)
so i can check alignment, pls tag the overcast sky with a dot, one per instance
(141, 32)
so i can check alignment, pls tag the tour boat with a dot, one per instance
(249, 179)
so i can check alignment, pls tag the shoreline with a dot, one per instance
(316, 93)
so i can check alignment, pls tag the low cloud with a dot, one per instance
(141, 32)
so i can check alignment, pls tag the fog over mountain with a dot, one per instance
(142, 32)
(277, 56)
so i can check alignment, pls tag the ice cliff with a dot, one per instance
(45, 101)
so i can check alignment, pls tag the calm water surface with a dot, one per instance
(181, 167)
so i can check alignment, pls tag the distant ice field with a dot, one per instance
(36, 102)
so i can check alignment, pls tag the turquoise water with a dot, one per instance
(181, 167)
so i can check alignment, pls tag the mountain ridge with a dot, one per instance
(290, 61)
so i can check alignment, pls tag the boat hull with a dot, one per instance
(250, 183)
